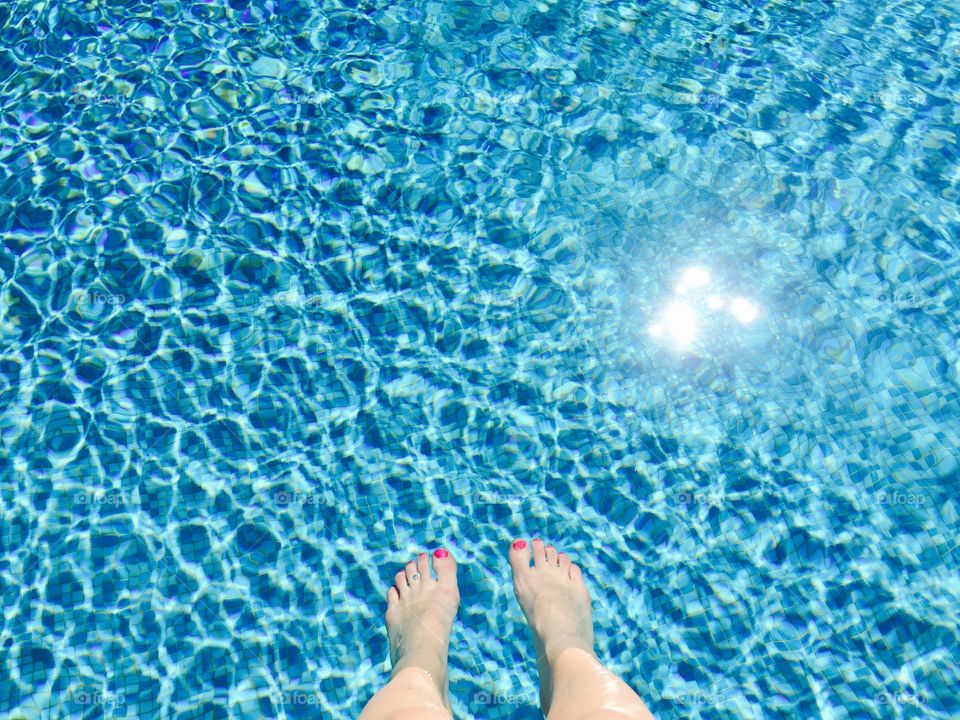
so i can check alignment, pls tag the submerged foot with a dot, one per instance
(555, 601)
(420, 613)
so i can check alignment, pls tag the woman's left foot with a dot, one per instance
(420, 613)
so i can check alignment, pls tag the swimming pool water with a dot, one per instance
(293, 290)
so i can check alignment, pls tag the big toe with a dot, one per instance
(519, 556)
(445, 566)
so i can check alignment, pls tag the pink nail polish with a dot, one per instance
(440, 553)
(519, 544)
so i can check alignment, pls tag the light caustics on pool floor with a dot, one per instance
(292, 290)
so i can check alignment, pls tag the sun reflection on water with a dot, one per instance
(680, 320)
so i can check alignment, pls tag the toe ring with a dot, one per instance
(416, 576)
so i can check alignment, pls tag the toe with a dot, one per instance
(551, 553)
(423, 565)
(400, 582)
(575, 573)
(444, 566)
(519, 556)
(393, 597)
(539, 555)
(564, 561)
(413, 575)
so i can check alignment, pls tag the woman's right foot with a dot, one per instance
(420, 613)
(555, 601)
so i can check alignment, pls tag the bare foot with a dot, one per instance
(556, 604)
(420, 613)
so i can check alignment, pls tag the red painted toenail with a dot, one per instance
(519, 544)
(440, 553)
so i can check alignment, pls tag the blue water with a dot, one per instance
(293, 290)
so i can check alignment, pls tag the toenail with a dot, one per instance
(519, 544)
(440, 553)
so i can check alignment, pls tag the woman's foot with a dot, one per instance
(420, 613)
(556, 604)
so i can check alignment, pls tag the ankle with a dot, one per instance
(567, 669)
(420, 672)
(560, 648)
(583, 689)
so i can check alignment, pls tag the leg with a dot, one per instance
(585, 690)
(420, 613)
(410, 695)
(573, 683)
